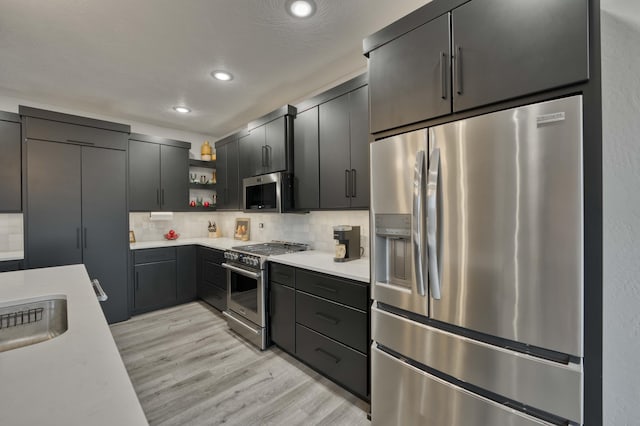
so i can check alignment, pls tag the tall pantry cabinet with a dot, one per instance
(75, 192)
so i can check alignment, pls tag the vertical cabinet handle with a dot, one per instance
(268, 151)
(346, 183)
(263, 150)
(77, 238)
(353, 183)
(459, 69)
(85, 237)
(443, 75)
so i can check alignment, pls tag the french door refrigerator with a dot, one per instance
(477, 271)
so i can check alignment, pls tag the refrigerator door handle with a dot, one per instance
(432, 222)
(418, 220)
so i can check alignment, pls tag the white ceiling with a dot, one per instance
(136, 59)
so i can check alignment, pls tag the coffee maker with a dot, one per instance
(347, 239)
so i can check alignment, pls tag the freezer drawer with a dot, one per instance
(548, 386)
(404, 395)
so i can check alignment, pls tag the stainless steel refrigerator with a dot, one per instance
(477, 271)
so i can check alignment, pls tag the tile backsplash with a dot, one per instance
(11, 232)
(315, 228)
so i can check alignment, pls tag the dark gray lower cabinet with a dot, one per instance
(155, 285)
(162, 277)
(324, 321)
(212, 278)
(10, 265)
(335, 360)
(186, 276)
(282, 316)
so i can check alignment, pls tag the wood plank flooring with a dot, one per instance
(189, 369)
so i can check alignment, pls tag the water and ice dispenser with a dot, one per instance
(393, 249)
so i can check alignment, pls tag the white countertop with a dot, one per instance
(313, 260)
(11, 255)
(217, 243)
(77, 378)
(323, 262)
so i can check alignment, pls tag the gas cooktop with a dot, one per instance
(272, 248)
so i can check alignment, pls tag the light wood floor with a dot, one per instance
(189, 369)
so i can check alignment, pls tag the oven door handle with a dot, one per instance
(241, 271)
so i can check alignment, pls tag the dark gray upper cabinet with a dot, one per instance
(469, 54)
(10, 164)
(252, 152)
(144, 176)
(409, 77)
(266, 147)
(228, 179)
(276, 145)
(174, 177)
(344, 151)
(359, 147)
(57, 127)
(306, 183)
(53, 204)
(158, 174)
(335, 163)
(504, 48)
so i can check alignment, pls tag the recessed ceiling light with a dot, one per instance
(301, 8)
(182, 109)
(221, 75)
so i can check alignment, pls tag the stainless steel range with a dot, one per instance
(247, 287)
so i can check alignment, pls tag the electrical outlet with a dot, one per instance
(261, 225)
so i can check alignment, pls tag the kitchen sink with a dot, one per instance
(32, 321)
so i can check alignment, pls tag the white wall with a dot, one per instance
(314, 228)
(621, 162)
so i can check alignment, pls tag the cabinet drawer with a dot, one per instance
(56, 131)
(347, 292)
(154, 255)
(213, 273)
(212, 255)
(213, 295)
(339, 322)
(342, 364)
(282, 274)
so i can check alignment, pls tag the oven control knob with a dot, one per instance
(255, 262)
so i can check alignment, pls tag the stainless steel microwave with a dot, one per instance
(268, 193)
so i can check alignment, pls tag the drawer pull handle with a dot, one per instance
(327, 318)
(334, 358)
(325, 288)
